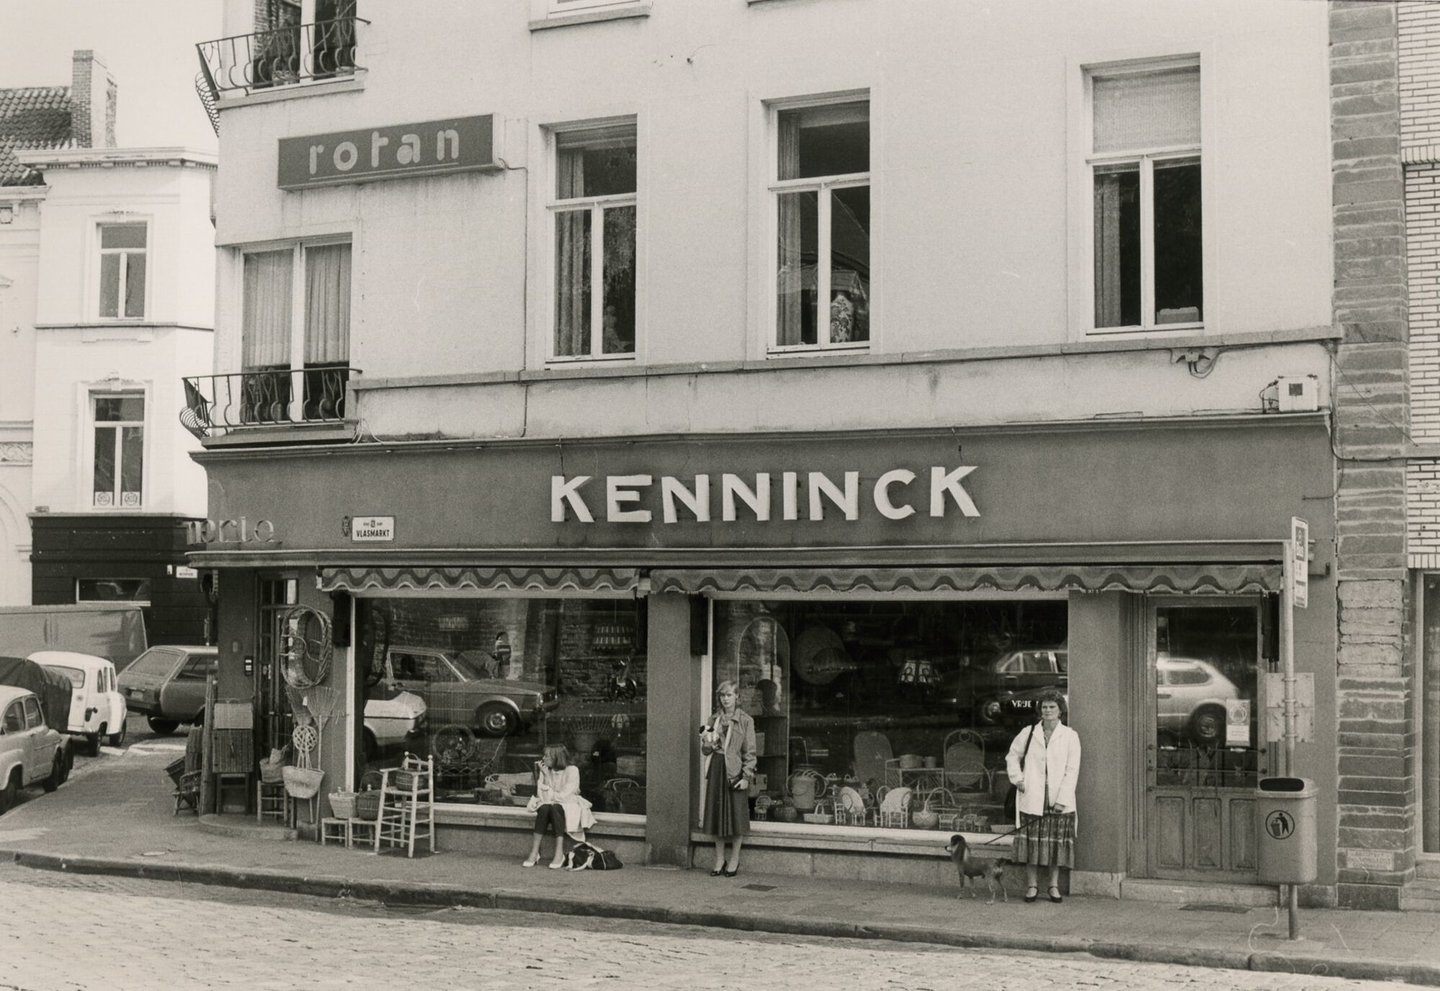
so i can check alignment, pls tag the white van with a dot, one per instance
(115, 630)
(97, 709)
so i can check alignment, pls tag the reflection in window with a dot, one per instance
(1206, 695)
(866, 712)
(499, 678)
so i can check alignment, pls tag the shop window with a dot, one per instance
(295, 378)
(1145, 173)
(113, 590)
(499, 678)
(118, 455)
(122, 270)
(867, 713)
(594, 213)
(822, 215)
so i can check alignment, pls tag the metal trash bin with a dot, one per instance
(1285, 830)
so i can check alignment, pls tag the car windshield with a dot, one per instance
(76, 676)
(472, 666)
(156, 662)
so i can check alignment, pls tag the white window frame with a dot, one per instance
(297, 248)
(597, 206)
(95, 283)
(822, 187)
(87, 473)
(541, 10)
(1083, 198)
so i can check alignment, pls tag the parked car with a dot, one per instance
(1003, 689)
(393, 721)
(97, 709)
(167, 684)
(1190, 697)
(31, 753)
(458, 689)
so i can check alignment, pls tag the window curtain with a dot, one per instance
(265, 324)
(1107, 251)
(327, 305)
(572, 258)
(791, 285)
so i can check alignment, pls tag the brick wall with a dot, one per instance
(1419, 72)
(1376, 799)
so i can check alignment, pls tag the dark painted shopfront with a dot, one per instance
(100, 558)
(889, 603)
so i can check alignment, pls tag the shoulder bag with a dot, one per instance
(1011, 796)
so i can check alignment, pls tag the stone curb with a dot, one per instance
(439, 896)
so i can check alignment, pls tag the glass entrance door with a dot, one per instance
(1204, 751)
(276, 721)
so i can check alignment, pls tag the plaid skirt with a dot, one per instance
(1048, 840)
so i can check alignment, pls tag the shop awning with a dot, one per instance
(1230, 578)
(376, 579)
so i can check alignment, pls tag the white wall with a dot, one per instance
(972, 107)
(19, 268)
(77, 354)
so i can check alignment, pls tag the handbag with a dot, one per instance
(1012, 796)
(737, 782)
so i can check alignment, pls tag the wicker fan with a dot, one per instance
(321, 702)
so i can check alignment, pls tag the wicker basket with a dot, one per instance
(342, 804)
(367, 805)
(303, 782)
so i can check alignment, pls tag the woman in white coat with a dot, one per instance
(1043, 763)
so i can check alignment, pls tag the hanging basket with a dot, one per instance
(303, 782)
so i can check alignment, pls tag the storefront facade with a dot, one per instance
(888, 603)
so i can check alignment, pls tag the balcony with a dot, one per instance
(283, 56)
(221, 405)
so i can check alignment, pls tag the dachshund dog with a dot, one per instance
(970, 868)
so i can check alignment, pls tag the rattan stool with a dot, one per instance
(335, 829)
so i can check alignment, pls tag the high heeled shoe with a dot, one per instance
(718, 872)
(530, 862)
(1055, 895)
(729, 873)
(1031, 893)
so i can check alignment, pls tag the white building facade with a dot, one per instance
(890, 361)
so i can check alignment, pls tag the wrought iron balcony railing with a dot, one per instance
(281, 56)
(216, 405)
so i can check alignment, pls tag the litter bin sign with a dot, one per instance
(1285, 828)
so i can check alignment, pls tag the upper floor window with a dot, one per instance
(594, 214)
(822, 215)
(1144, 165)
(122, 270)
(118, 457)
(301, 376)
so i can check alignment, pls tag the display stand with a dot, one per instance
(407, 809)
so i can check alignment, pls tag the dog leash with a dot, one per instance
(1023, 826)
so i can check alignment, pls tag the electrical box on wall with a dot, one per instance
(1292, 394)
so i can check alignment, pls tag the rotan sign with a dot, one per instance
(436, 147)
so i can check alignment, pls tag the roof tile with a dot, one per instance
(31, 117)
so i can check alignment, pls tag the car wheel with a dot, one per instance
(1207, 724)
(496, 720)
(162, 727)
(66, 764)
(989, 712)
(10, 792)
(118, 739)
(94, 740)
(451, 744)
(57, 773)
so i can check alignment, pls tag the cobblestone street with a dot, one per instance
(69, 932)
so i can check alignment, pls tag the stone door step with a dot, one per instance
(1195, 892)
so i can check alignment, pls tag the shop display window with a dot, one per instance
(485, 684)
(888, 713)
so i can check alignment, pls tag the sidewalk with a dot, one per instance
(115, 818)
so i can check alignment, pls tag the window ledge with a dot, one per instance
(862, 839)
(616, 13)
(498, 817)
(1105, 344)
(294, 91)
(284, 433)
